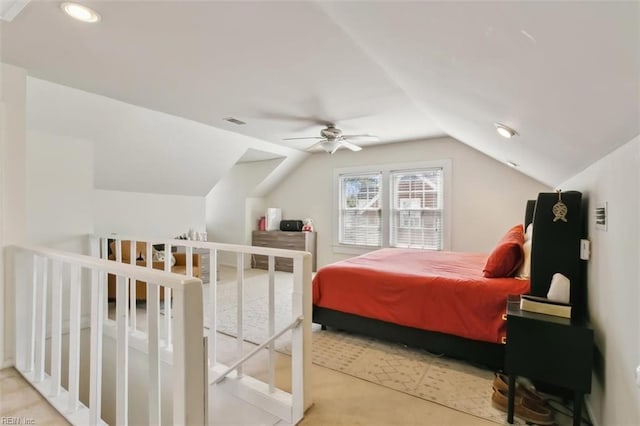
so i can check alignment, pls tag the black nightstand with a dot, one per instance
(554, 350)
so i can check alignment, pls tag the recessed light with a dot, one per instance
(512, 164)
(80, 12)
(505, 131)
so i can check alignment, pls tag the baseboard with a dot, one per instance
(9, 362)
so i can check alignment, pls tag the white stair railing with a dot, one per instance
(289, 406)
(39, 272)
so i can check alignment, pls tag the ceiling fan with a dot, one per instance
(331, 138)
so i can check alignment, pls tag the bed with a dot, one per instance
(441, 301)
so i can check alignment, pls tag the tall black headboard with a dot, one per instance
(555, 246)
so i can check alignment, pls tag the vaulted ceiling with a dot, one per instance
(565, 75)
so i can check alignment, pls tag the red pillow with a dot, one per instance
(507, 256)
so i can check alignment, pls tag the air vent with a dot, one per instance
(601, 216)
(235, 121)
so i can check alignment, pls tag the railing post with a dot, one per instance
(189, 375)
(301, 337)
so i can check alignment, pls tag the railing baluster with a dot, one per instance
(74, 337)
(95, 376)
(33, 297)
(213, 309)
(272, 323)
(56, 327)
(133, 286)
(41, 319)
(153, 332)
(240, 307)
(167, 298)
(189, 260)
(104, 254)
(122, 355)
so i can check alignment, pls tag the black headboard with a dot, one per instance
(555, 246)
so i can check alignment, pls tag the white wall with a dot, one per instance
(59, 191)
(231, 203)
(488, 197)
(614, 282)
(147, 215)
(13, 193)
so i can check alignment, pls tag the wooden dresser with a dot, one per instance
(304, 241)
(204, 262)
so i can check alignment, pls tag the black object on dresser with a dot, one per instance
(553, 350)
(305, 241)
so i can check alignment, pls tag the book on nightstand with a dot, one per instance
(542, 305)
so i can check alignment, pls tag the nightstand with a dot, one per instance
(553, 350)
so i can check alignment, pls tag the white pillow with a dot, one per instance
(524, 271)
(529, 233)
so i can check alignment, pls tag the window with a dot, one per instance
(416, 209)
(360, 209)
(399, 206)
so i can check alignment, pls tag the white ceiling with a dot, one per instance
(566, 75)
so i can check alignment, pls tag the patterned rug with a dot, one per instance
(452, 383)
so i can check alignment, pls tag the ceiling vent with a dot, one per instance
(235, 121)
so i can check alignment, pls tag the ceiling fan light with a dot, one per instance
(329, 146)
(505, 131)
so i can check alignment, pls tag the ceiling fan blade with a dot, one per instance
(364, 136)
(351, 146)
(309, 120)
(338, 145)
(316, 145)
(295, 139)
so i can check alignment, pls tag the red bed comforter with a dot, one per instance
(437, 291)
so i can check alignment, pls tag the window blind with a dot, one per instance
(416, 208)
(360, 209)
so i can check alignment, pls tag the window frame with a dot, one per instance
(385, 170)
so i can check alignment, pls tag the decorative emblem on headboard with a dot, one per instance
(559, 209)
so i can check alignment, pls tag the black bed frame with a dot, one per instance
(551, 241)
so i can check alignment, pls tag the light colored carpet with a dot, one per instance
(442, 380)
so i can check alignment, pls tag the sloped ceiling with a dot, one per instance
(565, 75)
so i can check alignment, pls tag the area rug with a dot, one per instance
(452, 383)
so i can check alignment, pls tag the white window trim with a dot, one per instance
(386, 169)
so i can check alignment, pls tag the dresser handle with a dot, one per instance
(504, 317)
(504, 340)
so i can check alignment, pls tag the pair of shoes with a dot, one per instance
(523, 408)
(501, 382)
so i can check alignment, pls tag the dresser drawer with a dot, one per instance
(300, 241)
(284, 264)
